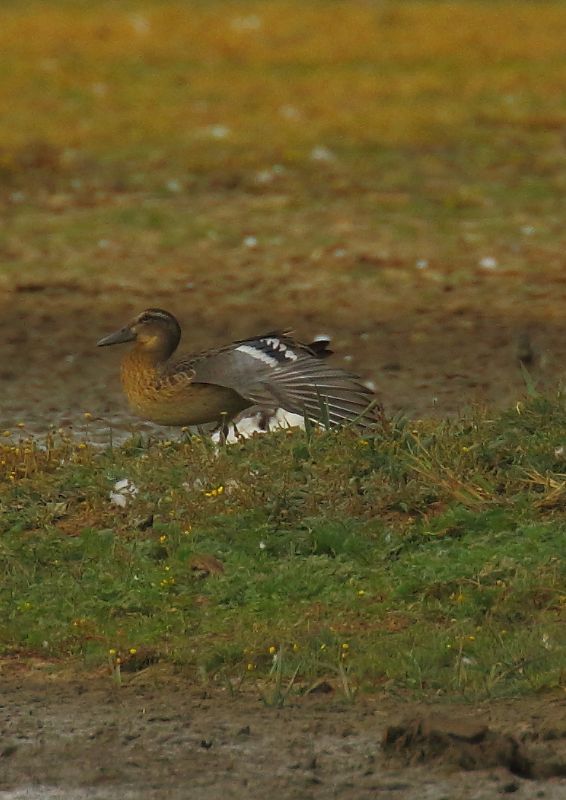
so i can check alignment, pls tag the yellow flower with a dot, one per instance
(250, 667)
(214, 492)
(132, 651)
(112, 652)
(163, 539)
(296, 647)
(361, 593)
(272, 650)
(345, 646)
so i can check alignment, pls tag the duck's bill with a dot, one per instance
(118, 337)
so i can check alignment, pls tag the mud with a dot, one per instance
(158, 736)
(434, 364)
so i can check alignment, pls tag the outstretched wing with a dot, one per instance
(274, 370)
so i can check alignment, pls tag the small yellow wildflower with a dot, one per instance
(361, 592)
(162, 539)
(250, 667)
(471, 638)
(272, 650)
(323, 646)
(214, 492)
(132, 651)
(363, 443)
(296, 647)
(112, 652)
(345, 646)
(87, 415)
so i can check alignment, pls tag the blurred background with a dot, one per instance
(389, 173)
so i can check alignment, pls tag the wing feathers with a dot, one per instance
(276, 370)
(322, 393)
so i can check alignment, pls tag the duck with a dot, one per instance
(272, 370)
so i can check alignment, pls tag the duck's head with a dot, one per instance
(154, 330)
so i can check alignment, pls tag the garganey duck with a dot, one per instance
(272, 371)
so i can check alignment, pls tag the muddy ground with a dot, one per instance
(85, 738)
(457, 352)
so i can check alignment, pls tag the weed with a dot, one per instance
(276, 695)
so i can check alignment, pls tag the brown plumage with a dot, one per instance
(272, 370)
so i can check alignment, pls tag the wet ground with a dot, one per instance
(158, 737)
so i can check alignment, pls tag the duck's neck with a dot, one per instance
(143, 362)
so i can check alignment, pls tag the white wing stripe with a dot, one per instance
(259, 355)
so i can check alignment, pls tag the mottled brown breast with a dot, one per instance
(172, 398)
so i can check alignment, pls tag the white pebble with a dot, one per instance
(321, 153)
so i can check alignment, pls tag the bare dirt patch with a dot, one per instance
(424, 362)
(155, 738)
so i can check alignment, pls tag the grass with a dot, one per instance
(441, 121)
(428, 558)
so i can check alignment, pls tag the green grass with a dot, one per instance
(429, 558)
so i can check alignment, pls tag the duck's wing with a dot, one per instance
(275, 370)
